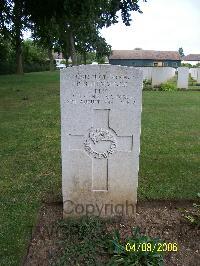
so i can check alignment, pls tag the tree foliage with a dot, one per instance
(79, 21)
(180, 51)
(65, 25)
(12, 22)
(33, 52)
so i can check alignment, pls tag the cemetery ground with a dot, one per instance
(31, 177)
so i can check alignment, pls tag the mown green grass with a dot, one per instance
(30, 156)
(30, 152)
(169, 161)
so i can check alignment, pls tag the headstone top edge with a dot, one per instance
(136, 70)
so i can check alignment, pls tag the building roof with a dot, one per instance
(145, 54)
(192, 57)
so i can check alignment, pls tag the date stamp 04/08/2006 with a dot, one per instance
(151, 247)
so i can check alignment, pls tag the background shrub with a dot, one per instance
(167, 87)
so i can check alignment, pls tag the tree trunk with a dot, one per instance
(67, 62)
(51, 62)
(17, 12)
(19, 64)
(72, 49)
(85, 58)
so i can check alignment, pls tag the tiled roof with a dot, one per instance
(145, 54)
(192, 57)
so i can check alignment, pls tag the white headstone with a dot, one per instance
(147, 73)
(193, 72)
(183, 75)
(162, 74)
(100, 134)
(198, 74)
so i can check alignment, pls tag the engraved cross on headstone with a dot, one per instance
(102, 147)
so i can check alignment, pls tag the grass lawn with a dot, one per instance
(30, 152)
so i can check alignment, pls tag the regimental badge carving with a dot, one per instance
(96, 136)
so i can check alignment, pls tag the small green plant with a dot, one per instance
(167, 87)
(156, 87)
(193, 217)
(83, 241)
(147, 85)
(192, 81)
(138, 250)
(146, 82)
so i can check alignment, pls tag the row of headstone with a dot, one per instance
(158, 75)
(183, 76)
(195, 74)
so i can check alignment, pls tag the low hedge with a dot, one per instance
(10, 67)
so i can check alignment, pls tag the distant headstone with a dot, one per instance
(183, 75)
(162, 74)
(100, 134)
(147, 73)
(198, 74)
(194, 73)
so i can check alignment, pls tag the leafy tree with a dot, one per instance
(12, 22)
(7, 55)
(91, 41)
(90, 57)
(45, 33)
(72, 26)
(33, 52)
(87, 15)
(6, 51)
(180, 50)
(186, 65)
